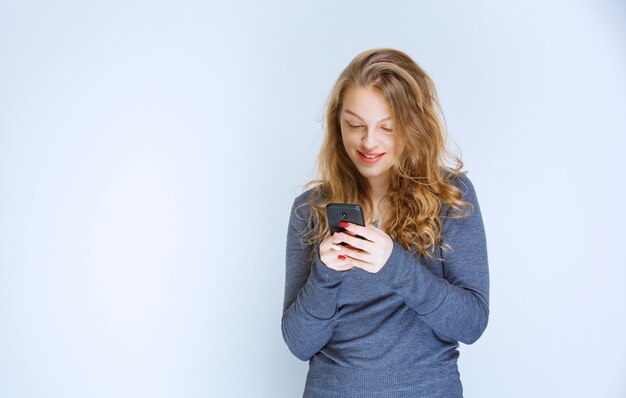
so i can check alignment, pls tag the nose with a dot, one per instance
(369, 140)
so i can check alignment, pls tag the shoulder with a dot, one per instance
(312, 196)
(303, 197)
(468, 195)
(301, 204)
(300, 220)
(465, 185)
(462, 182)
(301, 201)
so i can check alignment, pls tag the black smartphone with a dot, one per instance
(338, 212)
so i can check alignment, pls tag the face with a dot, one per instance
(368, 134)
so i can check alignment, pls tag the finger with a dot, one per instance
(354, 241)
(342, 263)
(331, 250)
(329, 241)
(336, 238)
(357, 254)
(360, 264)
(365, 232)
(333, 260)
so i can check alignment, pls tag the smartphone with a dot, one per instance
(338, 212)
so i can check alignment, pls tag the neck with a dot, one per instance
(378, 188)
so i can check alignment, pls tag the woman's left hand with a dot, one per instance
(370, 253)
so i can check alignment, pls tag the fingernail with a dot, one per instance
(344, 224)
(341, 257)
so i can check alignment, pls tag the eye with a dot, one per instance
(355, 126)
(387, 129)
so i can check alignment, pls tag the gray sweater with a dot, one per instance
(394, 333)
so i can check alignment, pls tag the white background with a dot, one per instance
(150, 152)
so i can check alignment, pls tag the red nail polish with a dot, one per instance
(341, 257)
(344, 224)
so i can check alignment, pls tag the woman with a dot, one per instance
(384, 315)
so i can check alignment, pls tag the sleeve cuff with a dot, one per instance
(320, 293)
(324, 275)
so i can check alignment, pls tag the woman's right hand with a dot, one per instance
(331, 253)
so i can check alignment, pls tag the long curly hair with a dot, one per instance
(421, 182)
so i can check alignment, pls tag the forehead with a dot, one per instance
(366, 102)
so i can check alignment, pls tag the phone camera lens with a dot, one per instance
(343, 214)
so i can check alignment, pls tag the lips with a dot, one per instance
(369, 157)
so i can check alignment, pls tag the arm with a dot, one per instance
(311, 292)
(456, 307)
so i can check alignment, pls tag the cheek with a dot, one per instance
(346, 143)
(343, 139)
(390, 144)
(396, 148)
(349, 140)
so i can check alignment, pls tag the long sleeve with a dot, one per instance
(311, 292)
(456, 306)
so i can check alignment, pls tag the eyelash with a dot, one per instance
(361, 126)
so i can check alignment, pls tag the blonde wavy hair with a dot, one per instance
(420, 184)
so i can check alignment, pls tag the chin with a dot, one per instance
(371, 173)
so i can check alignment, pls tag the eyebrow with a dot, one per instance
(354, 114)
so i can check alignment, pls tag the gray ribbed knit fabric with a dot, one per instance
(394, 333)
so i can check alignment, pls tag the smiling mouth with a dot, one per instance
(370, 157)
